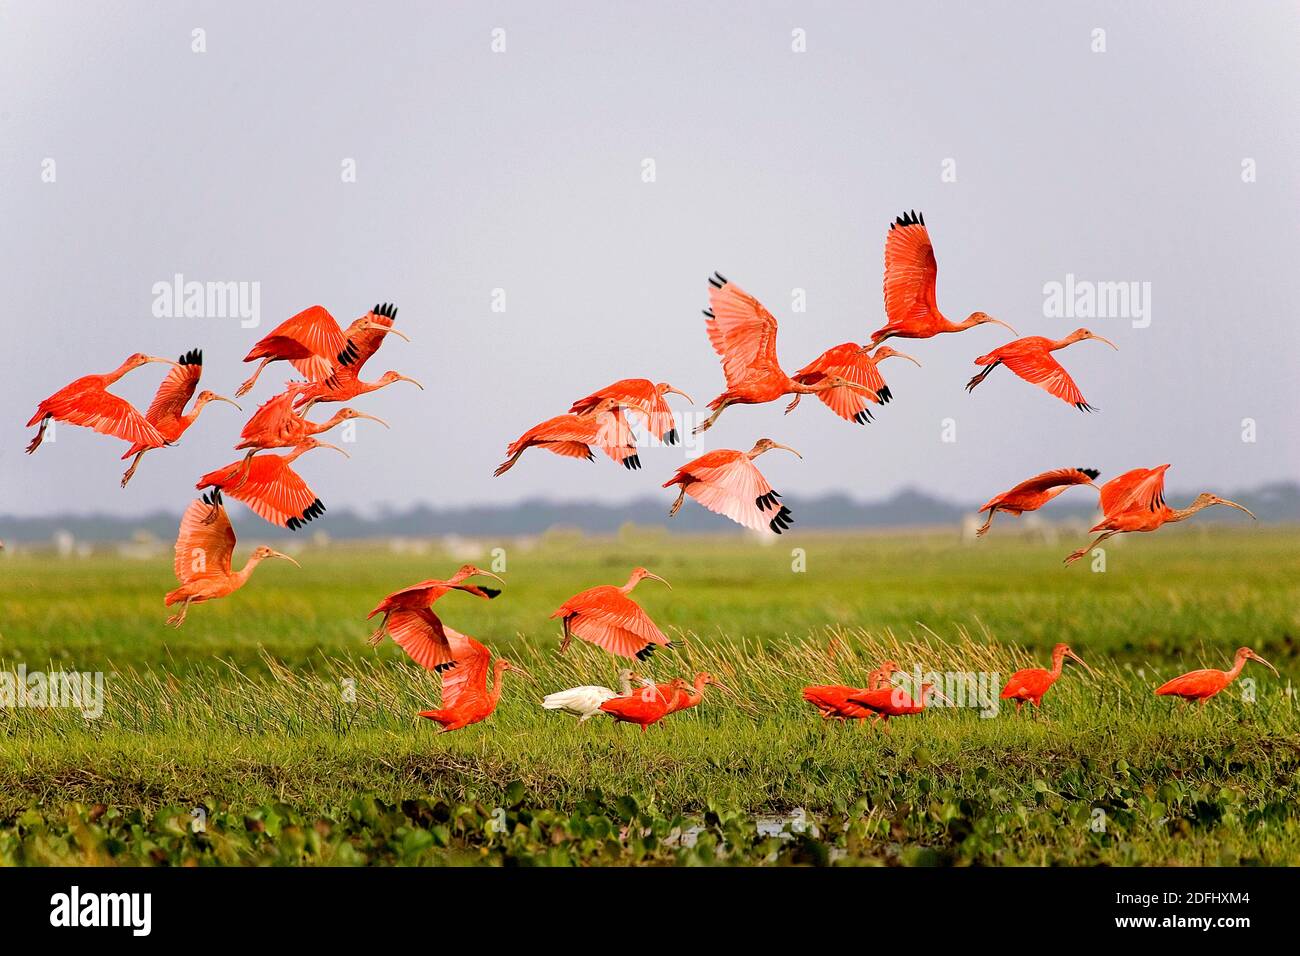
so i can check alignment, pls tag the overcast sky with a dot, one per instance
(524, 171)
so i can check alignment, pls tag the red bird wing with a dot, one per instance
(742, 332)
(273, 418)
(466, 681)
(1040, 483)
(1202, 683)
(203, 550)
(1040, 368)
(420, 633)
(562, 429)
(849, 362)
(614, 436)
(311, 340)
(638, 394)
(175, 392)
(910, 274)
(1029, 682)
(273, 490)
(732, 488)
(1140, 489)
(107, 414)
(611, 620)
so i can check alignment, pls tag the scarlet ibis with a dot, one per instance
(270, 487)
(88, 402)
(275, 424)
(573, 436)
(743, 333)
(467, 696)
(1203, 684)
(832, 700)
(854, 363)
(910, 274)
(204, 546)
(727, 481)
(584, 702)
(1031, 359)
(167, 410)
(1135, 501)
(1031, 683)
(646, 707)
(607, 617)
(642, 396)
(315, 345)
(693, 693)
(886, 702)
(1032, 493)
(422, 634)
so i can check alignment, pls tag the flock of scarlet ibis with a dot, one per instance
(845, 378)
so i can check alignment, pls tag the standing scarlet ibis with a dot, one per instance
(728, 482)
(573, 436)
(467, 697)
(1203, 684)
(270, 487)
(646, 707)
(743, 333)
(276, 425)
(832, 700)
(1031, 683)
(88, 402)
(1135, 501)
(852, 362)
(910, 273)
(584, 702)
(204, 547)
(642, 396)
(167, 410)
(693, 693)
(1032, 493)
(886, 702)
(1031, 359)
(607, 617)
(315, 345)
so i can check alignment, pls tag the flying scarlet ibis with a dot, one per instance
(573, 436)
(643, 397)
(728, 482)
(1032, 493)
(607, 617)
(1203, 684)
(1031, 359)
(910, 273)
(270, 487)
(88, 402)
(584, 702)
(467, 696)
(886, 702)
(1031, 683)
(167, 410)
(419, 596)
(204, 547)
(854, 363)
(1135, 501)
(743, 333)
(646, 707)
(275, 424)
(832, 700)
(315, 345)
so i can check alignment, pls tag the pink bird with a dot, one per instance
(728, 482)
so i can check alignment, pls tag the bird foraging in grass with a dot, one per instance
(1203, 684)
(584, 702)
(1031, 683)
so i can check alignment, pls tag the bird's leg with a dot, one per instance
(1076, 555)
(678, 503)
(970, 386)
(568, 636)
(177, 619)
(708, 422)
(247, 386)
(507, 465)
(134, 465)
(1019, 704)
(40, 435)
(983, 529)
(791, 407)
(374, 639)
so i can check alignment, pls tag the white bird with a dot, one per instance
(584, 702)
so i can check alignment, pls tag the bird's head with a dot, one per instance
(983, 318)
(766, 444)
(139, 359)
(1245, 653)
(885, 352)
(640, 574)
(1205, 499)
(504, 666)
(663, 388)
(388, 378)
(262, 552)
(705, 679)
(471, 571)
(347, 413)
(1063, 650)
(889, 669)
(1078, 335)
(206, 396)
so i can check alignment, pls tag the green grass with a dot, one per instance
(241, 711)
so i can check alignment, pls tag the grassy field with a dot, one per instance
(242, 712)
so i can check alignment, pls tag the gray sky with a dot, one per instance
(522, 171)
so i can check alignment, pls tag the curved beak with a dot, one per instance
(404, 378)
(721, 686)
(489, 574)
(1004, 325)
(1256, 657)
(165, 361)
(278, 554)
(228, 401)
(935, 695)
(650, 574)
(678, 391)
(1101, 338)
(1079, 660)
(789, 449)
(524, 674)
(902, 355)
(1233, 504)
(373, 418)
(326, 444)
(385, 328)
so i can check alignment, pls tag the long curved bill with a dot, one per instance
(1102, 338)
(1233, 504)
(326, 444)
(721, 686)
(386, 328)
(277, 554)
(373, 418)
(165, 361)
(650, 574)
(1079, 660)
(1256, 657)
(787, 448)
(1004, 325)
(525, 675)
(228, 401)
(898, 354)
(489, 574)
(678, 391)
(405, 378)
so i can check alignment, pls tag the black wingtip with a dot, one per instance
(885, 395)
(490, 592)
(782, 521)
(1092, 473)
(386, 309)
(192, 357)
(645, 653)
(908, 219)
(632, 462)
(671, 437)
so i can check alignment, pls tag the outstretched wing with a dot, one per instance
(1046, 482)
(1041, 369)
(276, 493)
(738, 490)
(420, 633)
(311, 340)
(1140, 489)
(615, 623)
(176, 390)
(910, 272)
(203, 549)
(849, 362)
(742, 332)
(107, 414)
(468, 678)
